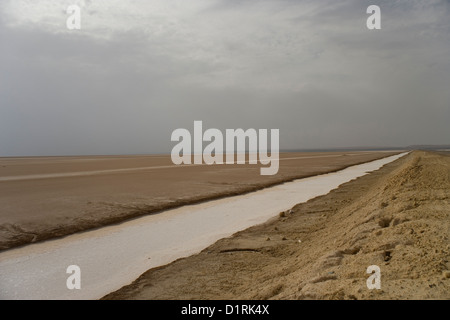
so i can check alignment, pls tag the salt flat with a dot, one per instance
(113, 256)
(46, 197)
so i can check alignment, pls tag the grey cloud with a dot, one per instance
(310, 69)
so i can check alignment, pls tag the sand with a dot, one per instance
(113, 256)
(47, 197)
(396, 218)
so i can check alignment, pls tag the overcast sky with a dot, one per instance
(137, 70)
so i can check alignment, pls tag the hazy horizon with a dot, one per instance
(337, 149)
(138, 70)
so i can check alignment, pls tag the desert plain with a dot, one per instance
(396, 218)
(46, 197)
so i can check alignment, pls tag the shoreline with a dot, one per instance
(15, 235)
(396, 217)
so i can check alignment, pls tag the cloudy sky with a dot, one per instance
(137, 70)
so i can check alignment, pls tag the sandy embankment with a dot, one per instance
(396, 218)
(48, 197)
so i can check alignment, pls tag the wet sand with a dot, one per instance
(397, 218)
(47, 197)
